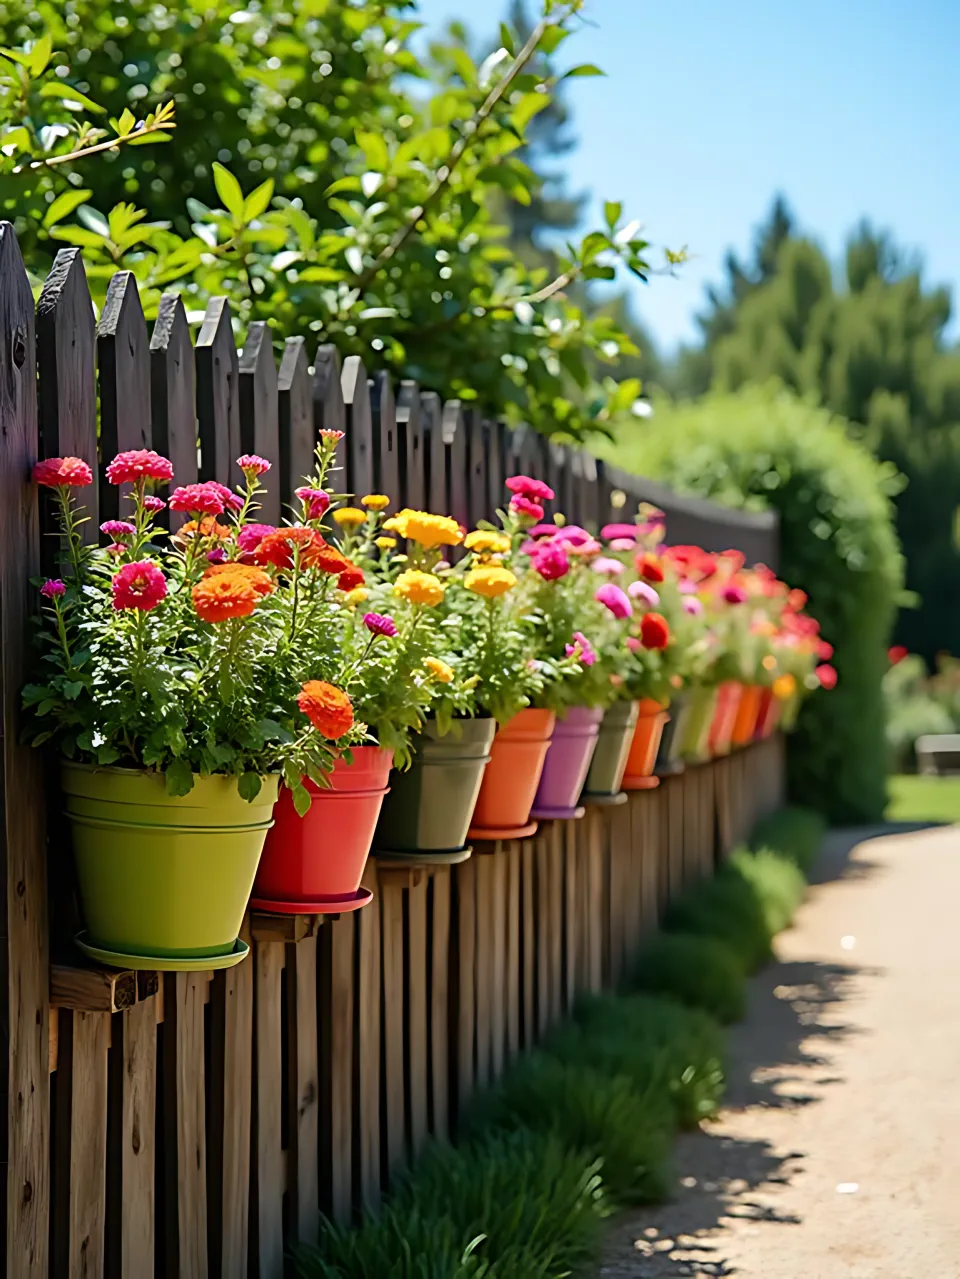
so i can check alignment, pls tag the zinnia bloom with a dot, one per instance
(490, 581)
(654, 631)
(643, 591)
(535, 490)
(53, 588)
(330, 439)
(140, 585)
(609, 567)
(327, 708)
(375, 501)
(418, 587)
(231, 501)
(622, 544)
(380, 624)
(550, 560)
(734, 593)
(826, 675)
(523, 506)
(218, 597)
(139, 464)
(649, 567)
(315, 500)
(62, 472)
(153, 504)
(616, 600)
(625, 531)
(262, 583)
(438, 669)
(692, 606)
(350, 516)
(277, 547)
(117, 529)
(350, 578)
(328, 560)
(252, 465)
(198, 499)
(217, 556)
(582, 649)
(251, 535)
(487, 541)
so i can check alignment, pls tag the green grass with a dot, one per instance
(924, 799)
(701, 972)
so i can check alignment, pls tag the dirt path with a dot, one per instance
(838, 1155)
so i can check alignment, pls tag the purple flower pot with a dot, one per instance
(567, 763)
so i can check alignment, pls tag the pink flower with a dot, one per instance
(154, 504)
(622, 544)
(315, 500)
(582, 649)
(525, 507)
(687, 587)
(331, 438)
(544, 530)
(117, 528)
(692, 606)
(53, 588)
(252, 465)
(643, 591)
(734, 594)
(826, 675)
(613, 598)
(139, 464)
(574, 535)
(550, 560)
(625, 531)
(62, 472)
(610, 567)
(634, 644)
(217, 556)
(380, 624)
(231, 501)
(200, 499)
(116, 548)
(251, 535)
(139, 585)
(533, 490)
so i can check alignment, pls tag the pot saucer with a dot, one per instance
(424, 857)
(331, 906)
(493, 833)
(601, 800)
(163, 963)
(671, 770)
(559, 814)
(640, 783)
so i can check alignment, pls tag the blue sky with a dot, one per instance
(849, 107)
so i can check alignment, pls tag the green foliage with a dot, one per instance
(699, 971)
(919, 703)
(777, 881)
(792, 832)
(924, 799)
(725, 908)
(763, 447)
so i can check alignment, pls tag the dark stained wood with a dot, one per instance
(266, 1182)
(392, 1057)
(455, 440)
(259, 428)
(218, 401)
(386, 461)
(412, 486)
(586, 486)
(123, 358)
(336, 979)
(329, 410)
(594, 837)
(24, 943)
(542, 930)
(439, 1023)
(573, 891)
(494, 446)
(498, 961)
(434, 450)
(295, 419)
(476, 462)
(415, 1032)
(366, 1138)
(303, 1092)
(184, 1136)
(173, 395)
(557, 861)
(359, 426)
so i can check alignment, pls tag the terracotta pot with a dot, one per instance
(315, 862)
(724, 718)
(567, 763)
(651, 718)
(613, 746)
(512, 776)
(748, 710)
(768, 713)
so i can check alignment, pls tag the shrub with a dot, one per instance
(777, 882)
(764, 447)
(793, 832)
(725, 908)
(699, 971)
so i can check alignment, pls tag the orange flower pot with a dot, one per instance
(768, 714)
(512, 777)
(651, 717)
(724, 718)
(748, 711)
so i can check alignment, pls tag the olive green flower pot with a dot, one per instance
(613, 746)
(693, 743)
(428, 808)
(164, 880)
(668, 756)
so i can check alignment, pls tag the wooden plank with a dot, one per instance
(392, 1054)
(336, 1064)
(465, 904)
(476, 466)
(383, 409)
(439, 1033)
(619, 880)
(498, 962)
(557, 861)
(542, 932)
(495, 446)
(184, 1135)
(123, 360)
(367, 1105)
(218, 401)
(483, 966)
(173, 395)
(258, 409)
(412, 485)
(81, 1148)
(329, 410)
(512, 960)
(416, 1028)
(130, 1183)
(593, 897)
(228, 1149)
(24, 957)
(356, 399)
(303, 1092)
(266, 1180)
(454, 438)
(528, 943)
(105, 990)
(294, 418)
(571, 915)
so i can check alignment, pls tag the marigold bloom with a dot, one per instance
(208, 525)
(350, 578)
(386, 543)
(218, 597)
(784, 686)
(117, 529)
(654, 630)
(277, 547)
(530, 510)
(488, 541)
(614, 599)
(534, 490)
(252, 464)
(375, 501)
(827, 676)
(490, 581)
(380, 624)
(419, 588)
(327, 707)
(200, 499)
(359, 595)
(350, 516)
(140, 585)
(425, 528)
(582, 649)
(327, 559)
(139, 464)
(62, 472)
(53, 588)
(315, 500)
(259, 581)
(438, 669)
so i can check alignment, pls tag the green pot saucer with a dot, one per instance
(425, 857)
(163, 963)
(601, 800)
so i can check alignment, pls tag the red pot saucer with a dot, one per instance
(640, 783)
(559, 814)
(331, 906)
(493, 833)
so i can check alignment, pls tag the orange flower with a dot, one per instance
(327, 707)
(209, 527)
(260, 581)
(326, 558)
(277, 548)
(221, 596)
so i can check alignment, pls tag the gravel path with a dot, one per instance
(838, 1153)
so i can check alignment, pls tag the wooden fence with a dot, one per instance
(196, 1124)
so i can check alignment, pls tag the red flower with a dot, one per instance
(62, 472)
(897, 654)
(654, 631)
(350, 578)
(326, 558)
(649, 567)
(277, 548)
(826, 675)
(691, 561)
(796, 599)
(534, 490)
(139, 464)
(521, 505)
(140, 585)
(824, 650)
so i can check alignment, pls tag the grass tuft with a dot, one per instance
(701, 972)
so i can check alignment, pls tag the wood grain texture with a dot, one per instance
(259, 424)
(359, 426)
(173, 395)
(24, 945)
(483, 966)
(557, 863)
(123, 358)
(435, 487)
(369, 994)
(439, 1026)
(416, 1068)
(464, 1018)
(184, 1136)
(329, 410)
(383, 411)
(79, 1239)
(218, 402)
(336, 974)
(454, 438)
(295, 418)
(542, 932)
(571, 914)
(303, 1092)
(412, 485)
(498, 961)
(528, 943)
(392, 1056)
(593, 896)
(267, 1172)
(137, 1201)
(512, 957)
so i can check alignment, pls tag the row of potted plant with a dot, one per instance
(243, 711)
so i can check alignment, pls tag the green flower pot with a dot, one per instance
(428, 807)
(701, 706)
(673, 730)
(164, 878)
(613, 747)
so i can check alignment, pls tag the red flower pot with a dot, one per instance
(725, 716)
(651, 718)
(313, 865)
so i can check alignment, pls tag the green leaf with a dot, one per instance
(39, 56)
(126, 122)
(64, 205)
(179, 778)
(585, 69)
(343, 184)
(16, 140)
(528, 107)
(249, 786)
(78, 235)
(611, 211)
(147, 139)
(68, 94)
(374, 150)
(506, 39)
(72, 689)
(552, 39)
(301, 798)
(228, 189)
(258, 200)
(464, 65)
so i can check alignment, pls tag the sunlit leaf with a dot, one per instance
(64, 205)
(72, 98)
(229, 191)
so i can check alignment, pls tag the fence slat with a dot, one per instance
(359, 426)
(514, 985)
(386, 464)
(367, 1104)
(123, 356)
(295, 418)
(336, 1063)
(528, 941)
(173, 394)
(483, 965)
(303, 1092)
(476, 463)
(463, 1000)
(434, 450)
(498, 960)
(259, 428)
(184, 1137)
(81, 1145)
(454, 437)
(218, 405)
(439, 1002)
(392, 1055)
(267, 1170)
(131, 1200)
(412, 486)
(416, 1028)
(329, 410)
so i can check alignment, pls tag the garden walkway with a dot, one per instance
(838, 1155)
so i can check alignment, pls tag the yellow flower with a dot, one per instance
(439, 670)
(418, 587)
(487, 540)
(376, 501)
(429, 530)
(385, 543)
(490, 581)
(349, 516)
(357, 595)
(784, 687)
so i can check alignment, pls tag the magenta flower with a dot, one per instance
(141, 586)
(609, 567)
(574, 535)
(200, 499)
(116, 548)
(734, 594)
(231, 501)
(153, 504)
(544, 530)
(692, 606)
(625, 531)
(117, 528)
(315, 500)
(582, 649)
(616, 600)
(217, 556)
(534, 490)
(251, 535)
(380, 624)
(252, 465)
(643, 591)
(550, 560)
(530, 510)
(53, 588)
